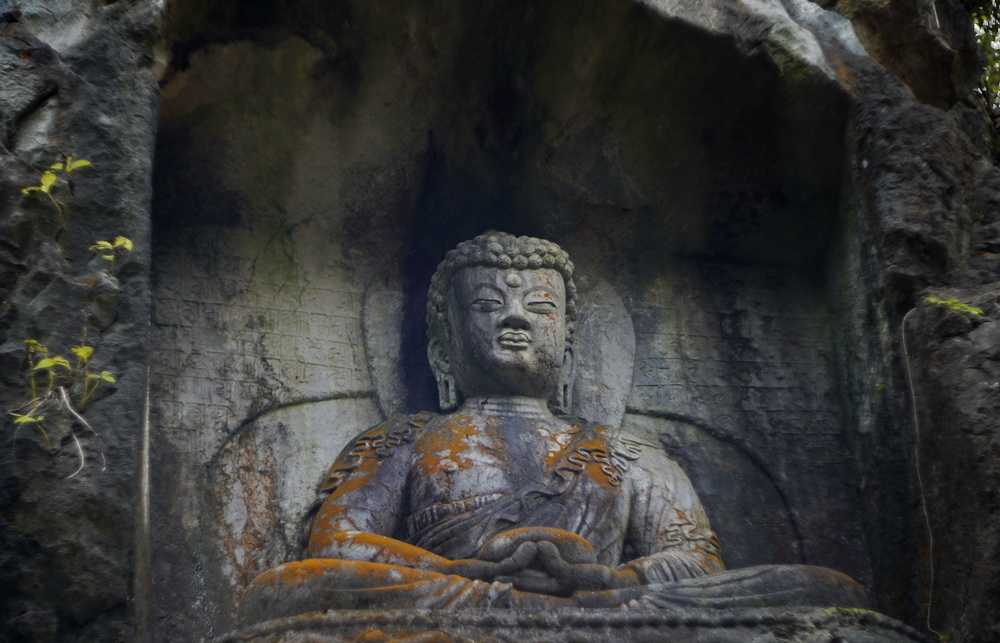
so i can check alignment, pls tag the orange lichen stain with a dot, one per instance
(563, 446)
(844, 73)
(551, 534)
(375, 635)
(357, 480)
(553, 456)
(446, 443)
(361, 545)
(245, 541)
(329, 511)
(372, 635)
(595, 455)
(326, 521)
(573, 547)
(358, 457)
(344, 574)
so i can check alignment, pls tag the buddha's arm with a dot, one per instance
(361, 505)
(361, 501)
(668, 528)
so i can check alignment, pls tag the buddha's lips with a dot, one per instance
(514, 339)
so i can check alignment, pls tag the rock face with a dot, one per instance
(74, 79)
(757, 193)
(955, 363)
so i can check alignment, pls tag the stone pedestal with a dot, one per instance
(803, 625)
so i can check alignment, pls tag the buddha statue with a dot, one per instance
(503, 500)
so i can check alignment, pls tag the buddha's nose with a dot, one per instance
(515, 318)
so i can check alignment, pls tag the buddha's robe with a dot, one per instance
(407, 496)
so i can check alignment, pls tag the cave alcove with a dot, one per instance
(314, 163)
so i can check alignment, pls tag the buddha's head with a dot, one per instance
(500, 313)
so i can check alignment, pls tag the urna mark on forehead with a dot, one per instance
(530, 285)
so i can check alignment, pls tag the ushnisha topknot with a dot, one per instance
(497, 250)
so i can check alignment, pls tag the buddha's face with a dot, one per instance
(508, 330)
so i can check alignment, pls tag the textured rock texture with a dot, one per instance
(687, 626)
(74, 79)
(955, 362)
(766, 351)
(759, 193)
(277, 277)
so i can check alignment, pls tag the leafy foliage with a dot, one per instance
(83, 353)
(985, 16)
(49, 180)
(55, 382)
(109, 250)
(70, 165)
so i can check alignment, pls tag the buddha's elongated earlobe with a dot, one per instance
(441, 366)
(447, 396)
(562, 404)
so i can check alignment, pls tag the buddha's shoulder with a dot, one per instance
(414, 420)
(628, 442)
(397, 430)
(644, 452)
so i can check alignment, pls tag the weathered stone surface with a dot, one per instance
(750, 132)
(505, 500)
(927, 45)
(683, 626)
(74, 79)
(436, 136)
(955, 364)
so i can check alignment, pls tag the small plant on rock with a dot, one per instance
(50, 179)
(955, 305)
(57, 384)
(110, 250)
(64, 386)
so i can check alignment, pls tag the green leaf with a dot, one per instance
(108, 257)
(27, 419)
(35, 346)
(100, 246)
(58, 166)
(84, 353)
(49, 179)
(108, 377)
(52, 362)
(28, 190)
(124, 242)
(78, 164)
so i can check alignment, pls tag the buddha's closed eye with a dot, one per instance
(486, 304)
(541, 306)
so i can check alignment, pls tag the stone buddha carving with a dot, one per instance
(503, 500)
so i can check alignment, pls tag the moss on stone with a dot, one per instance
(954, 304)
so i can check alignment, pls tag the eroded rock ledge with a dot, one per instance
(681, 626)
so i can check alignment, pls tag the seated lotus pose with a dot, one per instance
(501, 502)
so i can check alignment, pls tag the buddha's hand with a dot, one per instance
(572, 547)
(576, 576)
(520, 559)
(569, 562)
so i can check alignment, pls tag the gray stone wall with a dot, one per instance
(298, 219)
(736, 374)
(747, 192)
